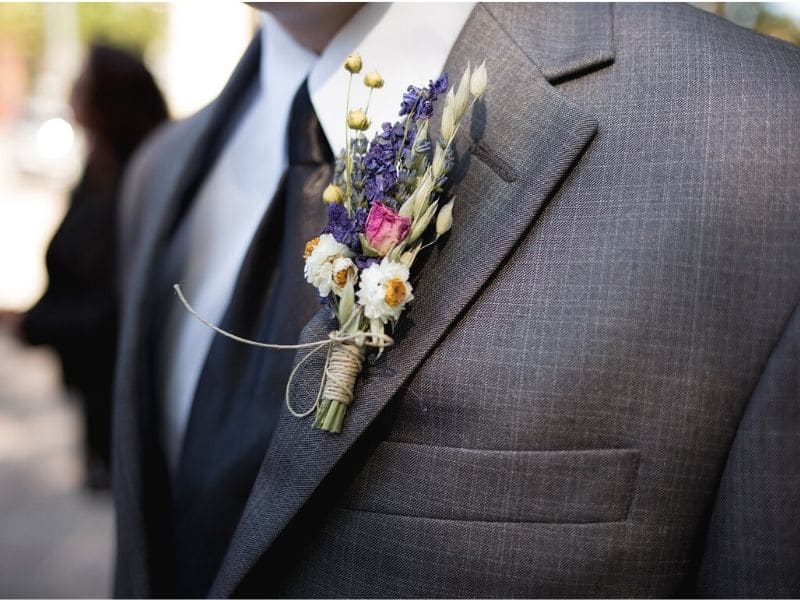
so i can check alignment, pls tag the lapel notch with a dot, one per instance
(564, 40)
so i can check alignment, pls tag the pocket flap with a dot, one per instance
(547, 486)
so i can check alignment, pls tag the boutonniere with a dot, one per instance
(386, 203)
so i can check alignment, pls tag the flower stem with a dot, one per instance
(321, 412)
(369, 99)
(348, 159)
(334, 415)
(409, 116)
(340, 413)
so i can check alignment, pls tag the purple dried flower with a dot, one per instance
(423, 98)
(438, 87)
(380, 175)
(409, 100)
(344, 228)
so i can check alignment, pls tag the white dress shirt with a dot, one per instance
(406, 43)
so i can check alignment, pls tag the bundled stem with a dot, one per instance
(343, 366)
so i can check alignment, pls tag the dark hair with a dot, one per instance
(119, 100)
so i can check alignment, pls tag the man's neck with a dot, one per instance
(312, 24)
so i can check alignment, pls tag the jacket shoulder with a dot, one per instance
(683, 34)
(711, 79)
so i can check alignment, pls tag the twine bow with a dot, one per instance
(342, 364)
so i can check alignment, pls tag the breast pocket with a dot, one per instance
(542, 486)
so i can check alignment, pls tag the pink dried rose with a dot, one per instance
(385, 228)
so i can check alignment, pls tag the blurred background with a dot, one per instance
(56, 530)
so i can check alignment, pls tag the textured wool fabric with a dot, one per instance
(595, 391)
(760, 488)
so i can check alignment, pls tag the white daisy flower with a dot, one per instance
(322, 254)
(384, 290)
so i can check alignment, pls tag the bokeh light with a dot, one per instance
(55, 138)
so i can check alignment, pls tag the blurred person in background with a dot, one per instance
(116, 100)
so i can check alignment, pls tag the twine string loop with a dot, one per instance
(343, 362)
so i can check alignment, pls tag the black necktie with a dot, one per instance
(240, 389)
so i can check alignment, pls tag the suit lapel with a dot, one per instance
(224, 113)
(513, 154)
(147, 497)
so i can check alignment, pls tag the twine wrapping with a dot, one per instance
(343, 366)
(343, 363)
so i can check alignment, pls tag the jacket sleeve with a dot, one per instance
(752, 548)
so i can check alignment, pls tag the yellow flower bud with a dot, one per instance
(333, 194)
(373, 79)
(353, 63)
(357, 119)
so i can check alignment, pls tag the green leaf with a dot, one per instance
(366, 248)
(346, 304)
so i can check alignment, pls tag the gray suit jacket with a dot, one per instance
(596, 390)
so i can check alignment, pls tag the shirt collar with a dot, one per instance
(407, 43)
(284, 62)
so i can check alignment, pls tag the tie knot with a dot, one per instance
(307, 142)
